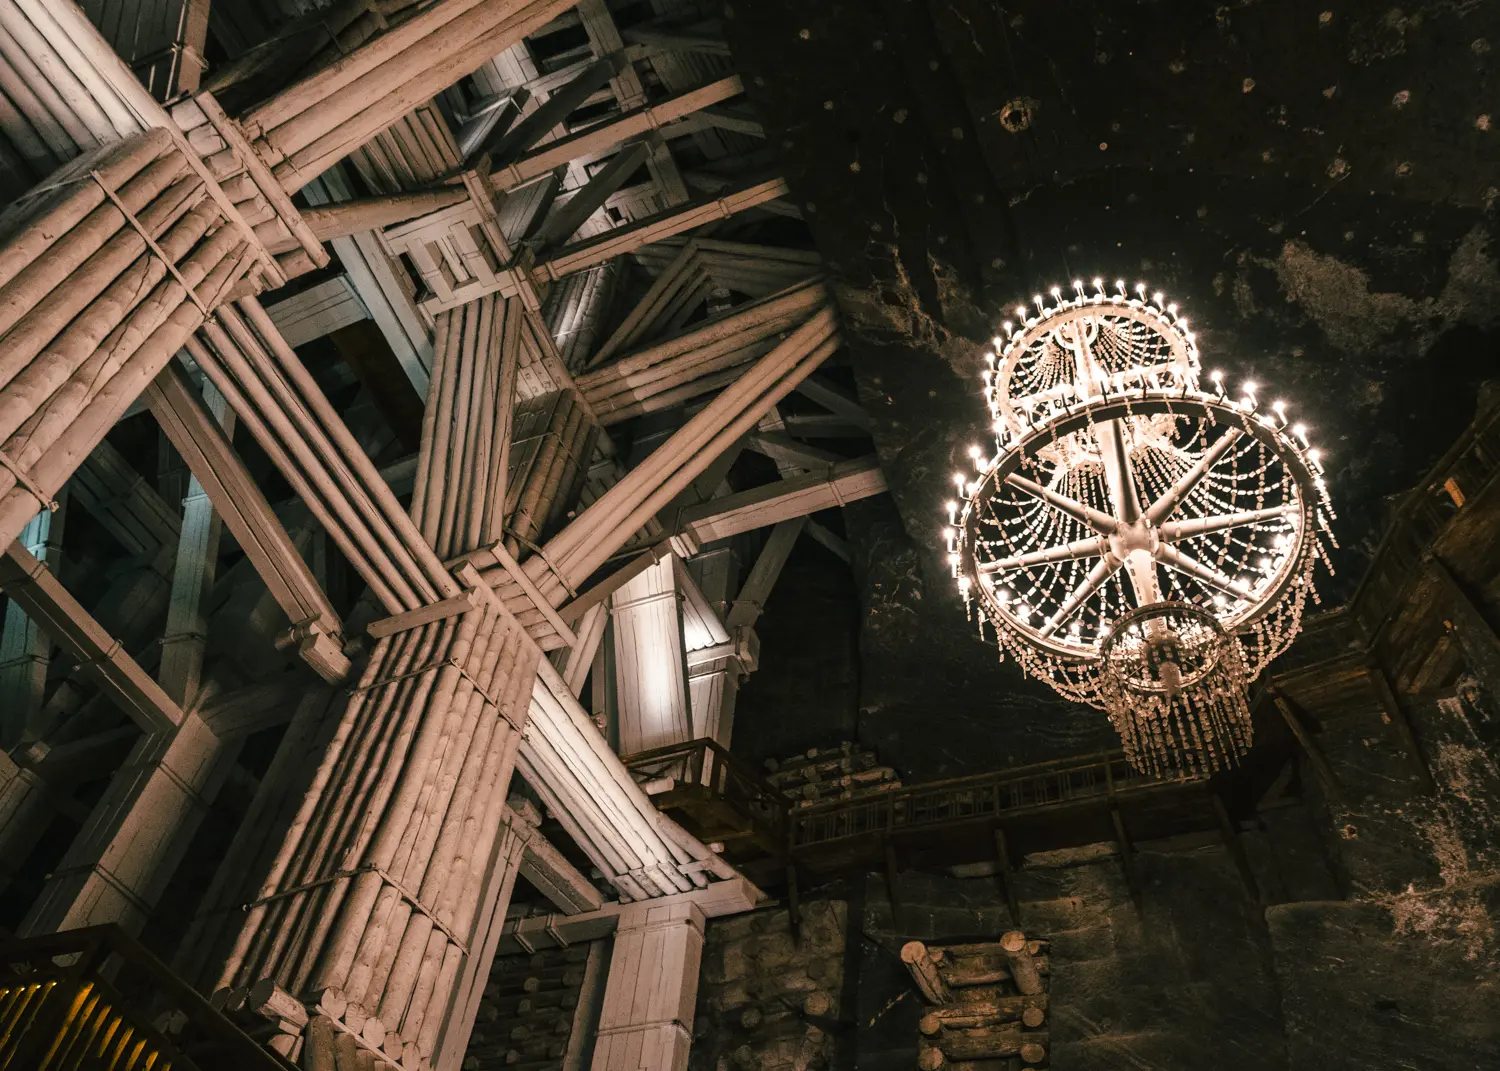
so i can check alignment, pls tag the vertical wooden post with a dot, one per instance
(793, 904)
(893, 885)
(1006, 875)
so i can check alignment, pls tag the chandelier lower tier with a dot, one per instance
(1141, 541)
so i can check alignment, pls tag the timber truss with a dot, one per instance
(462, 336)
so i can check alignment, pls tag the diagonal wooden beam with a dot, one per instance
(249, 517)
(568, 216)
(63, 617)
(654, 228)
(758, 507)
(551, 112)
(602, 136)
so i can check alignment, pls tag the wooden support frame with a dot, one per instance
(893, 887)
(720, 518)
(1235, 846)
(1311, 748)
(1400, 724)
(247, 514)
(63, 617)
(1006, 875)
(1475, 634)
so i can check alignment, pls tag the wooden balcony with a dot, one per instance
(96, 1000)
(715, 796)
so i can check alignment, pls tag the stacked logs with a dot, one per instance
(104, 273)
(527, 1012)
(987, 1003)
(244, 355)
(824, 774)
(368, 907)
(466, 426)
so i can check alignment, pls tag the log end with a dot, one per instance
(1013, 942)
(1033, 1017)
(1033, 1052)
(931, 1059)
(913, 952)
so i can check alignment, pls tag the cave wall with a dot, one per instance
(1316, 184)
(1370, 939)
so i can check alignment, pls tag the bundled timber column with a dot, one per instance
(647, 1020)
(651, 673)
(379, 862)
(107, 269)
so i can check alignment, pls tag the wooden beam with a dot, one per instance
(834, 400)
(745, 511)
(1475, 634)
(602, 136)
(654, 228)
(1006, 875)
(1400, 723)
(560, 103)
(569, 215)
(217, 467)
(893, 887)
(549, 870)
(751, 601)
(1310, 747)
(1235, 846)
(100, 655)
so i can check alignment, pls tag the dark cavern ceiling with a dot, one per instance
(1315, 185)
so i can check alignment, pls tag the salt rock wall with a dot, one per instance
(769, 997)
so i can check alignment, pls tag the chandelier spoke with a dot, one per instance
(1184, 563)
(1093, 547)
(1175, 531)
(1099, 521)
(1162, 508)
(1101, 572)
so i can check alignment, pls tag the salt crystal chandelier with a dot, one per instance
(1142, 542)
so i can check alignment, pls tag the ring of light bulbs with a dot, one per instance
(1098, 398)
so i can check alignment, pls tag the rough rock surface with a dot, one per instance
(1314, 183)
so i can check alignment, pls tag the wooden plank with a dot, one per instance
(100, 655)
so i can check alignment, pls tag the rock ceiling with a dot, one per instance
(1315, 184)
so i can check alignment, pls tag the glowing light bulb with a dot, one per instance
(1314, 455)
(1182, 322)
(1120, 285)
(1158, 298)
(1250, 386)
(1098, 283)
(952, 506)
(1280, 407)
(958, 478)
(1217, 376)
(974, 452)
(1021, 311)
(1140, 289)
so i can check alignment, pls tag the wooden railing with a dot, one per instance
(708, 770)
(1467, 467)
(94, 998)
(979, 798)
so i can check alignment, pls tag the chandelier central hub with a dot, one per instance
(1122, 493)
